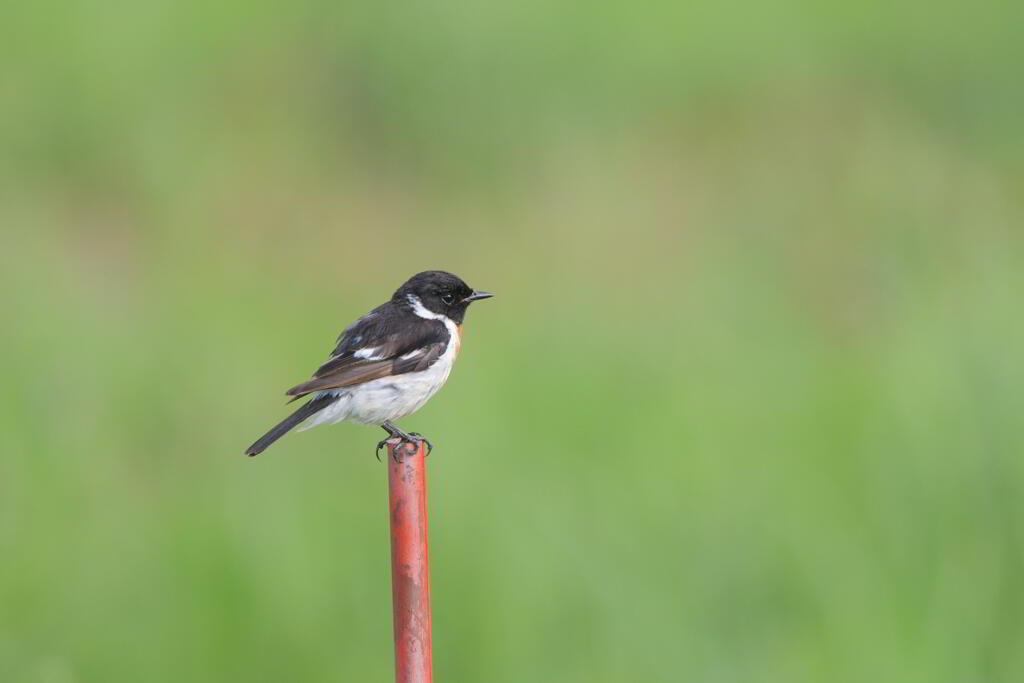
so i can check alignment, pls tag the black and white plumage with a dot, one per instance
(389, 362)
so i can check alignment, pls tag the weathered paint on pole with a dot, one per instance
(410, 572)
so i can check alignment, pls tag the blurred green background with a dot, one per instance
(747, 407)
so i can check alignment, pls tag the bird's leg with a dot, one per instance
(402, 438)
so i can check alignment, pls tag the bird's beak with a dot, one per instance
(478, 295)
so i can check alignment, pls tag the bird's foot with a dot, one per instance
(398, 439)
(398, 444)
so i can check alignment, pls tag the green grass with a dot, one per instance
(746, 407)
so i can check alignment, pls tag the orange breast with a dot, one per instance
(458, 338)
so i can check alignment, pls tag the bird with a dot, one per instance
(387, 363)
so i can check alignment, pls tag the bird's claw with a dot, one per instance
(393, 441)
(419, 437)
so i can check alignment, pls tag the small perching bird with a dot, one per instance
(388, 362)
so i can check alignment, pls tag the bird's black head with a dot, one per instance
(440, 293)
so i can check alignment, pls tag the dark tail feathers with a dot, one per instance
(281, 428)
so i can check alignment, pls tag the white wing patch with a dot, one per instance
(367, 354)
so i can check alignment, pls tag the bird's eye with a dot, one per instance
(447, 299)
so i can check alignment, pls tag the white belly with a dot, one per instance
(388, 398)
(392, 398)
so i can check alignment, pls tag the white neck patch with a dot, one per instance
(422, 311)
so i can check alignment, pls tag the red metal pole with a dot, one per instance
(410, 574)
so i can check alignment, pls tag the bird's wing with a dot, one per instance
(377, 346)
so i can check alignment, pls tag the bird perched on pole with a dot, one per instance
(388, 362)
